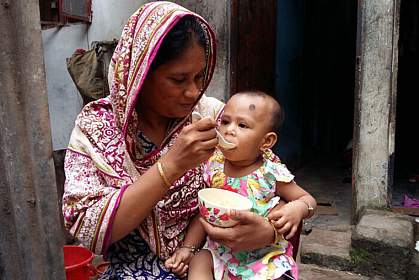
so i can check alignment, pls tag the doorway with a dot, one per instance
(303, 53)
(307, 61)
(406, 179)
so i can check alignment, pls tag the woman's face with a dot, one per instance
(172, 89)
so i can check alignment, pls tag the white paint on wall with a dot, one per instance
(109, 17)
(63, 98)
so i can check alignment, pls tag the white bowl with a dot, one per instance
(214, 205)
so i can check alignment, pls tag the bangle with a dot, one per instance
(162, 175)
(309, 207)
(277, 236)
(191, 248)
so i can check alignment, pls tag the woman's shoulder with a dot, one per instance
(96, 111)
(209, 106)
(95, 125)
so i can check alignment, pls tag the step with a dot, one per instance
(382, 244)
(413, 268)
(315, 272)
(327, 248)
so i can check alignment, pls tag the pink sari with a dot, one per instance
(101, 163)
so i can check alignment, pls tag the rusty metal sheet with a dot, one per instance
(31, 235)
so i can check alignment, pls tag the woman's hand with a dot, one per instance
(179, 261)
(195, 144)
(252, 232)
(287, 218)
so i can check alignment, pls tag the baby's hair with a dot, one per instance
(277, 116)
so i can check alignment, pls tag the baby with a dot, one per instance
(250, 121)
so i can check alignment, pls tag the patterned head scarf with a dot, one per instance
(139, 44)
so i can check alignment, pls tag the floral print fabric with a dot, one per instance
(270, 262)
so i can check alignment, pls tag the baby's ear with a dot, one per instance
(268, 141)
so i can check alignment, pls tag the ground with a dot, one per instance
(329, 182)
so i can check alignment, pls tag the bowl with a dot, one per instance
(214, 205)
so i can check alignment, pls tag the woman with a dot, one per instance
(133, 163)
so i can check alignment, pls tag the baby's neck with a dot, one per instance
(237, 169)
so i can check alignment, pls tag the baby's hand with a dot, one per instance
(288, 218)
(179, 261)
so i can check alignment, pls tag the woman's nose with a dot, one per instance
(192, 91)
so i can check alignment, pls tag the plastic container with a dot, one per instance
(214, 205)
(78, 263)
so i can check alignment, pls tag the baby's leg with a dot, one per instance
(201, 266)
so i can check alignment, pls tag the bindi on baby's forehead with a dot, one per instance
(252, 107)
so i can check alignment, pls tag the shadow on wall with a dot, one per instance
(58, 157)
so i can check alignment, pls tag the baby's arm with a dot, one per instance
(194, 238)
(301, 205)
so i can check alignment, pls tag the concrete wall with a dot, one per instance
(217, 13)
(375, 95)
(60, 43)
(108, 20)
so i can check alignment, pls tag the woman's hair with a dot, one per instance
(277, 112)
(186, 32)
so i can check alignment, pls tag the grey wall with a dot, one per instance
(217, 14)
(59, 43)
(108, 20)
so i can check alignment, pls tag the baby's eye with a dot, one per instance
(243, 125)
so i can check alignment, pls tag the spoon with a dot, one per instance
(221, 140)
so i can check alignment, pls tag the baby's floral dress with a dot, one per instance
(270, 262)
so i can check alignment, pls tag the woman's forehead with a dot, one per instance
(191, 60)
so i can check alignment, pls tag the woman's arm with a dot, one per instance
(195, 235)
(179, 261)
(194, 145)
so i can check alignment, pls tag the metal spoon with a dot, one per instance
(221, 140)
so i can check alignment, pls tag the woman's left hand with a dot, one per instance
(178, 263)
(252, 232)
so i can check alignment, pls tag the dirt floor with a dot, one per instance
(329, 182)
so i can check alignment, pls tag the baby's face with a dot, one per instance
(245, 123)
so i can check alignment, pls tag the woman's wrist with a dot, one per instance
(191, 248)
(169, 171)
(162, 174)
(276, 237)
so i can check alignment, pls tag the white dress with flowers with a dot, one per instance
(270, 262)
